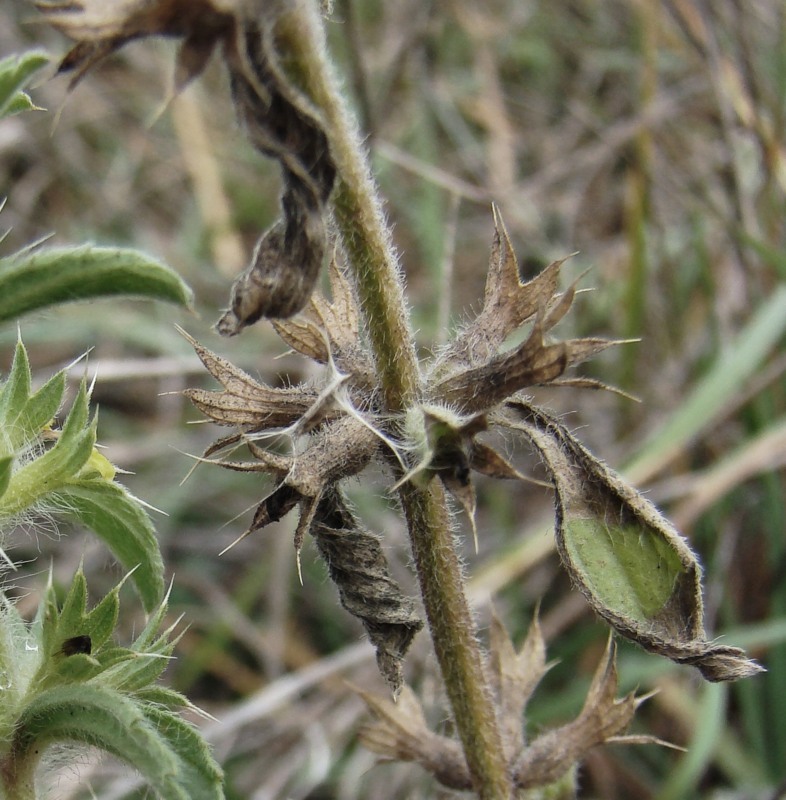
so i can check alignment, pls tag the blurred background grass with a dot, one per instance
(647, 136)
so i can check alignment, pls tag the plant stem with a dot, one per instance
(378, 282)
(17, 777)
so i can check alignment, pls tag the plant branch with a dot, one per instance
(378, 280)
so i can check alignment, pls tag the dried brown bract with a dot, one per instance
(101, 27)
(400, 730)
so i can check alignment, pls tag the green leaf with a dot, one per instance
(199, 774)
(22, 416)
(15, 390)
(119, 519)
(163, 696)
(632, 573)
(51, 471)
(632, 566)
(15, 72)
(35, 279)
(102, 718)
(101, 621)
(20, 103)
(72, 613)
(76, 668)
(6, 463)
(43, 405)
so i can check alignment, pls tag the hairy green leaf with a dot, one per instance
(632, 573)
(42, 405)
(35, 279)
(6, 462)
(51, 471)
(101, 620)
(22, 415)
(15, 72)
(15, 390)
(104, 718)
(119, 519)
(163, 696)
(74, 608)
(20, 103)
(198, 773)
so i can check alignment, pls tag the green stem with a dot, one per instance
(378, 280)
(17, 777)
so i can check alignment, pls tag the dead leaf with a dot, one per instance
(358, 566)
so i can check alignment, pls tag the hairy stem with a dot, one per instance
(378, 280)
(17, 777)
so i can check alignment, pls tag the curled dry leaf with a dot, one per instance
(633, 567)
(359, 568)
(279, 121)
(281, 124)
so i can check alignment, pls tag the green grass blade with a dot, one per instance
(684, 778)
(707, 401)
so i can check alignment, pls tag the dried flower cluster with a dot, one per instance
(401, 732)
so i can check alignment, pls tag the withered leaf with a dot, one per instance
(337, 450)
(358, 566)
(325, 330)
(101, 27)
(508, 302)
(514, 677)
(246, 403)
(401, 733)
(471, 375)
(603, 718)
(281, 124)
(633, 567)
(483, 387)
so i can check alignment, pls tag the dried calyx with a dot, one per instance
(400, 730)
